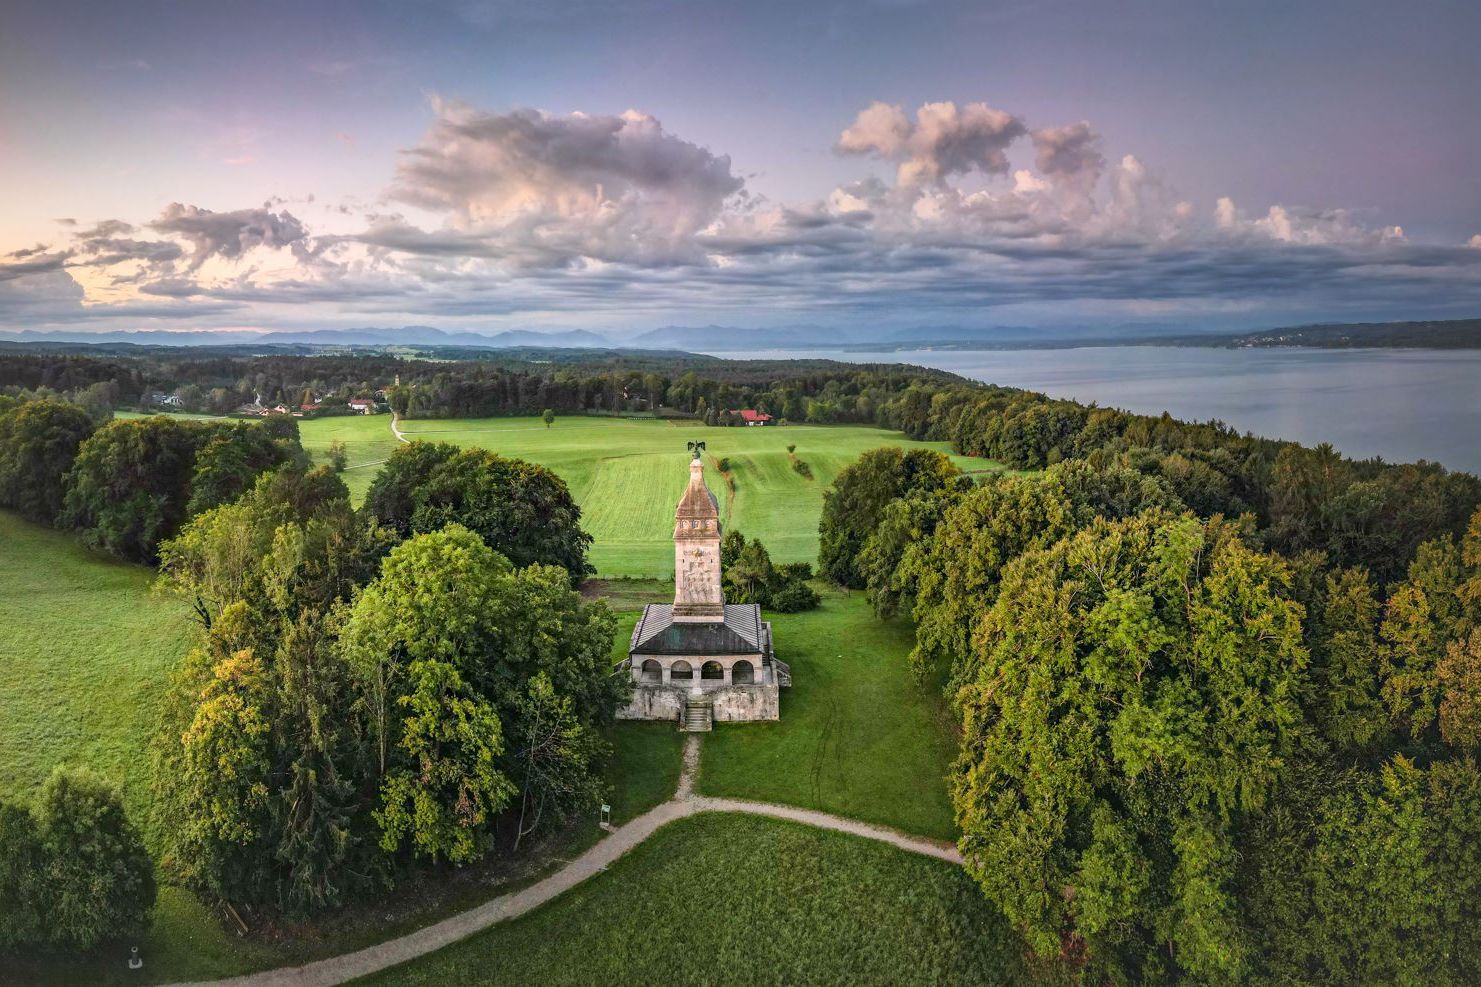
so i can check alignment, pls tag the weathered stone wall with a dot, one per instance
(653, 702)
(735, 703)
(740, 703)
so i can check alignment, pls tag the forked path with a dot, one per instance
(373, 959)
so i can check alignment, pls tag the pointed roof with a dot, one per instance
(698, 502)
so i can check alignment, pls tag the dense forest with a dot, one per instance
(1219, 697)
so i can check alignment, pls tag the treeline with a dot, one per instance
(1220, 698)
(1367, 513)
(126, 486)
(523, 383)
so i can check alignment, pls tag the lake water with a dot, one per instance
(1402, 405)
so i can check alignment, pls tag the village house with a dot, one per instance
(753, 417)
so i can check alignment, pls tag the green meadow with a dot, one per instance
(85, 653)
(627, 473)
(741, 900)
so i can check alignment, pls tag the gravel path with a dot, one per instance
(339, 969)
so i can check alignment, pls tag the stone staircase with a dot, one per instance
(699, 716)
(782, 669)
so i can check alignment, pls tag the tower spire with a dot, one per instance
(698, 595)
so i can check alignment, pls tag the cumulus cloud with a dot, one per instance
(1311, 227)
(228, 234)
(524, 212)
(1069, 155)
(617, 187)
(943, 140)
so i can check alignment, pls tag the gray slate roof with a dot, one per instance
(741, 633)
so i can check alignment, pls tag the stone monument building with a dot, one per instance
(700, 659)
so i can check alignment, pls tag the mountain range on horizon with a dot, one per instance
(709, 337)
(1448, 334)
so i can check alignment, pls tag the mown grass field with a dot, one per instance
(739, 900)
(627, 474)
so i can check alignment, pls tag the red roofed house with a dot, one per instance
(753, 417)
(363, 405)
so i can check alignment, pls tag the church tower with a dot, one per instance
(698, 596)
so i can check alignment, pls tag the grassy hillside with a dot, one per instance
(85, 650)
(738, 899)
(627, 474)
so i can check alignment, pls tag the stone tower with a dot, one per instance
(698, 596)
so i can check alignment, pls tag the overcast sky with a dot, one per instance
(553, 164)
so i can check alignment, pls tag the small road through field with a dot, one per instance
(373, 959)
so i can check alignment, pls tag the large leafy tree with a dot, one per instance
(557, 754)
(134, 483)
(291, 541)
(478, 631)
(230, 460)
(1345, 658)
(891, 560)
(226, 764)
(391, 499)
(258, 769)
(1130, 696)
(445, 785)
(38, 444)
(523, 511)
(954, 579)
(852, 506)
(128, 489)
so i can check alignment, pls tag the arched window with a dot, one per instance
(681, 670)
(743, 673)
(652, 671)
(712, 670)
